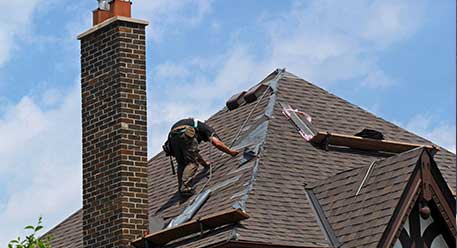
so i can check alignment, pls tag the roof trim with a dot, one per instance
(356, 142)
(422, 184)
(208, 222)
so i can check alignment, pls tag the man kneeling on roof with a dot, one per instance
(183, 140)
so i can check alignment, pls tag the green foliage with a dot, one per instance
(31, 241)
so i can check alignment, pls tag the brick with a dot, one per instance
(113, 86)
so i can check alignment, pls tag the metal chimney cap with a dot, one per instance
(103, 4)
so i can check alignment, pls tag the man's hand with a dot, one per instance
(233, 153)
(222, 147)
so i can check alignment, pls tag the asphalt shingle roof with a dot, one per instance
(68, 233)
(271, 187)
(360, 220)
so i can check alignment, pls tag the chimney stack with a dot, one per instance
(110, 8)
(113, 89)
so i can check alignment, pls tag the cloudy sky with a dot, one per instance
(395, 58)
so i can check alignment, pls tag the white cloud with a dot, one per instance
(51, 97)
(441, 133)
(376, 79)
(326, 41)
(40, 167)
(393, 20)
(168, 16)
(14, 22)
(170, 70)
(322, 41)
(20, 125)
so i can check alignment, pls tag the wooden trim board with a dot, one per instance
(211, 221)
(365, 143)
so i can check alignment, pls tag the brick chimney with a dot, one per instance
(113, 89)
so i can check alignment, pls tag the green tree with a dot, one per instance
(31, 241)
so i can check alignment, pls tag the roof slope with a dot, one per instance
(68, 233)
(278, 203)
(359, 220)
(270, 187)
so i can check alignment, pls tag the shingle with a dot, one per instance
(368, 213)
(273, 187)
(68, 233)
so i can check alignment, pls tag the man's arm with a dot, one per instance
(222, 147)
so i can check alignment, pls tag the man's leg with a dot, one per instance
(191, 156)
(180, 172)
(176, 143)
(188, 176)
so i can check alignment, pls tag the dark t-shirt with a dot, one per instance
(203, 131)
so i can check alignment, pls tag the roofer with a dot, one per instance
(182, 143)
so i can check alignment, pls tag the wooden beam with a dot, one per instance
(208, 222)
(365, 143)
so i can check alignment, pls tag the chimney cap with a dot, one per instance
(103, 4)
(111, 8)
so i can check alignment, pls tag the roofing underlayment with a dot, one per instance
(269, 187)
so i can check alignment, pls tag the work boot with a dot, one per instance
(186, 191)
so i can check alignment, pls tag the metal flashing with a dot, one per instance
(274, 86)
(190, 210)
(366, 177)
(321, 219)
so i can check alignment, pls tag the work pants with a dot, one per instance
(186, 153)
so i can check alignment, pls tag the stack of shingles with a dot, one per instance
(360, 220)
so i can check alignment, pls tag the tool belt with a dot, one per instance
(183, 129)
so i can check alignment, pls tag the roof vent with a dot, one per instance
(370, 134)
(103, 4)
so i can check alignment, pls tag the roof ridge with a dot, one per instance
(268, 113)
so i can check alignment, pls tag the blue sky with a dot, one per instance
(395, 58)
